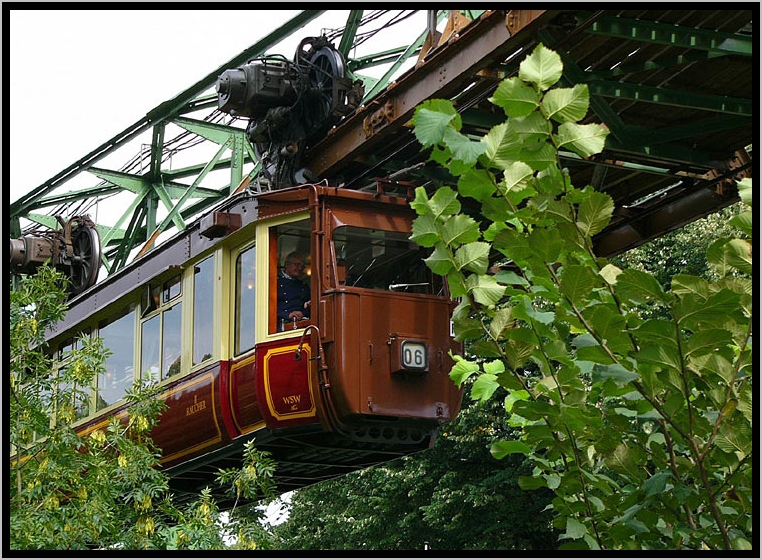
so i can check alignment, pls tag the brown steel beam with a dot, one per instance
(444, 72)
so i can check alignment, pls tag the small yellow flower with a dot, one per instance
(98, 437)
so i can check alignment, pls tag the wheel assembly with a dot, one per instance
(290, 105)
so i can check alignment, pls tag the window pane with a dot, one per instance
(149, 362)
(245, 303)
(171, 340)
(172, 288)
(292, 247)
(119, 337)
(383, 260)
(203, 312)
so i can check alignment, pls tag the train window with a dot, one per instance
(150, 333)
(119, 337)
(171, 341)
(289, 241)
(171, 288)
(382, 260)
(79, 397)
(161, 293)
(160, 331)
(245, 306)
(203, 303)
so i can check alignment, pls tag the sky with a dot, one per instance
(77, 78)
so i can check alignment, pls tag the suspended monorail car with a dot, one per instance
(362, 381)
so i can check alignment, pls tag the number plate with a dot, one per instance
(414, 355)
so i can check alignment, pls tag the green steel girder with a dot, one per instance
(637, 141)
(217, 133)
(157, 150)
(650, 65)
(685, 132)
(350, 32)
(81, 194)
(136, 183)
(666, 96)
(670, 34)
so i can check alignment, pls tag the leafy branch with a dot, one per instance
(623, 416)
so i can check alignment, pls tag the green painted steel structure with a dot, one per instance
(675, 87)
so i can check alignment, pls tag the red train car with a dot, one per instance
(362, 380)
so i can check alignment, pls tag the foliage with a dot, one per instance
(682, 251)
(454, 496)
(102, 489)
(641, 427)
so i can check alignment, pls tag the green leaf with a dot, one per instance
(485, 289)
(462, 369)
(686, 284)
(735, 438)
(577, 283)
(739, 255)
(502, 146)
(531, 131)
(515, 177)
(525, 310)
(707, 341)
(457, 284)
(485, 348)
(583, 139)
(743, 221)
(610, 273)
(531, 482)
(690, 313)
(421, 202)
(618, 373)
(484, 386)
(444, 203)
(637, 287)
(546, 244)
(511, 278)
(718, 256)
(567, 104)
(477, 184)
(624, 460)
(658, 332)
(574, 529)
(667, 357)
(594, 212)
(515, 97)
(543, 68)
(502, 448)
(467, 328)
(656, 484)
(517, 353)
(540, 159)
(608, 322)
(431, 126)
(463, 148)
(425, 231)
(745, 190)
(715, 364)
(460, 229)
(473, 257)
(439, 261)
(513, 396)
(501, 321)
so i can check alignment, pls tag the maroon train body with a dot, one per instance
(362, 381)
